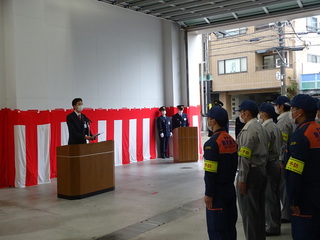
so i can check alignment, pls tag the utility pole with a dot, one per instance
(283, 61)
(206, 71)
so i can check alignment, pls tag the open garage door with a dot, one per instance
(195, 15)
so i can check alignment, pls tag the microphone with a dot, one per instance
(87, 119)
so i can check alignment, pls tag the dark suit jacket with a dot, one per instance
(180, 121)
(164, 125)
(77, 129)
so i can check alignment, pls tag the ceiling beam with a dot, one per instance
(187, 15)
(288, 13)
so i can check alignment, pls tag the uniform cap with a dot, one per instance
(267, 108)
(304, 102)
(180, 107)
(248, 105)
(282, 100)
(218, 103)
(219, 114)
(163, 108)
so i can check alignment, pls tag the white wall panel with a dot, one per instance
(2, 62)
(109, 56)
(195, 58)
(60, 71)
(30, 62)
(109, 83)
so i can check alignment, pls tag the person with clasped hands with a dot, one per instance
(165, 132)
(78, 124)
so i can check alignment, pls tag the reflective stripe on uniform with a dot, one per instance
(210, 166)
(295, 165)
(284, 136)
(245, 152)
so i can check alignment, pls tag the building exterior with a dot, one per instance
(308, 61)
(245, 63)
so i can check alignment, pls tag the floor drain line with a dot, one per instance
(153, 222)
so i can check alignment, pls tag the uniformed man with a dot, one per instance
(180, 119)
(252, 176)
(219, 104)
(273, 208)
(282, 107)
(220, 154)
(302, 169)
(165, 132)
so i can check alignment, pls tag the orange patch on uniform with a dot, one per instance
(226, 143)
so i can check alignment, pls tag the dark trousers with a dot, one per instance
(164, 142)
(307, 225)
(222, 218)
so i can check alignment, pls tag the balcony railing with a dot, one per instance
(271, 67)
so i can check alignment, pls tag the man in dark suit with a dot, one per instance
(165, 132)
(78, 124)
(180, 119)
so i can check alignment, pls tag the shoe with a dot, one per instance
(167, 156)
(272, 233)
(283, 220)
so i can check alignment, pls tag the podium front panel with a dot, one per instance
(185, 144)
(85, 169)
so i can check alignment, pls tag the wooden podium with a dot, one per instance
(185, 144)
(85, 169)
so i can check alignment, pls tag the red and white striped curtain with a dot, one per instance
(28, 146)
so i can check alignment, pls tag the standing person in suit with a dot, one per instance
(165, 132)
(180, 119)
(78, 124)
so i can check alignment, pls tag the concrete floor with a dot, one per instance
(153, 200)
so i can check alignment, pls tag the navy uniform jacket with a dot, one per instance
(164, 125)
(77, 129)
(180, 121)
(303, 162)
(221, 161)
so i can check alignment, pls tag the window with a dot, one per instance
(274, 61)
(235, 65)
(231, 32)
(313, 58)
(312, 24)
